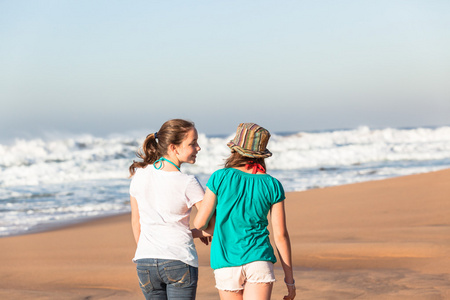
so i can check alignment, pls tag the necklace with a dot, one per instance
(164, 159)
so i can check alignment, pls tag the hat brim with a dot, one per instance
(249, 153)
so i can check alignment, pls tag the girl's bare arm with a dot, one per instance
(135, 219)
(283, 244)
(205, 210)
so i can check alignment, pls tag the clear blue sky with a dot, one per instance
(113, 66)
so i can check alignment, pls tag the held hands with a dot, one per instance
(206, 240)
(291, 291)
(204, 237)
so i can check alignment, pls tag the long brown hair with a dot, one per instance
(171, 132)
(236, 160)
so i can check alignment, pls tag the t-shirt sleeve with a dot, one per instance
(212, 183)
(133, 187)
(194, 191)
(278, 192)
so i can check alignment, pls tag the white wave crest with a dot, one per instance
(34, 162)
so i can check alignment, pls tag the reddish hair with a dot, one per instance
(236, 160)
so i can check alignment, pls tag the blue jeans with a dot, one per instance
(166, 279)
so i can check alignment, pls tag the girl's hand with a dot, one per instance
(291, 293)
(206, 240)
(205, 237)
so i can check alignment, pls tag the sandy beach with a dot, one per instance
(387, 239)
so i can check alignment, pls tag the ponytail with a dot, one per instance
(148, 154)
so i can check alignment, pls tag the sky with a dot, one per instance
(103, 67)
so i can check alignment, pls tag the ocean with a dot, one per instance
(51, 181)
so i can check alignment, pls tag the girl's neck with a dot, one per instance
(245, 169)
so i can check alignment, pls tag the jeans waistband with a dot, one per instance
(154, 261)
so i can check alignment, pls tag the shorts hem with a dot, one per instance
(262, 281)
(230, 290)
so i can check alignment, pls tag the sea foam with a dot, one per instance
(53, 180)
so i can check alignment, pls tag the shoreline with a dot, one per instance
(39, 228)
(382, 239)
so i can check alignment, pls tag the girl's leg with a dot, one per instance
(230, 295)
(260, 278)
(229, 282)
(260, 291)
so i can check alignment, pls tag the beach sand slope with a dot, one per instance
(387, 239)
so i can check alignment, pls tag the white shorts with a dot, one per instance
(234, 278)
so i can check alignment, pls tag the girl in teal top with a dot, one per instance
(242, 207)
(241, 195)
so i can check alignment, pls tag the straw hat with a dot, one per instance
(251, 141)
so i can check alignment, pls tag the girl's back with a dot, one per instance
(164, 207)
(243, 203)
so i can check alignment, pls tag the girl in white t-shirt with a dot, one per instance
(161, 199)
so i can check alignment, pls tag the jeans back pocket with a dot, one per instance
(180, 275)
(145, 281)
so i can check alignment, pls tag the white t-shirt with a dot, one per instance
(164, 201)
